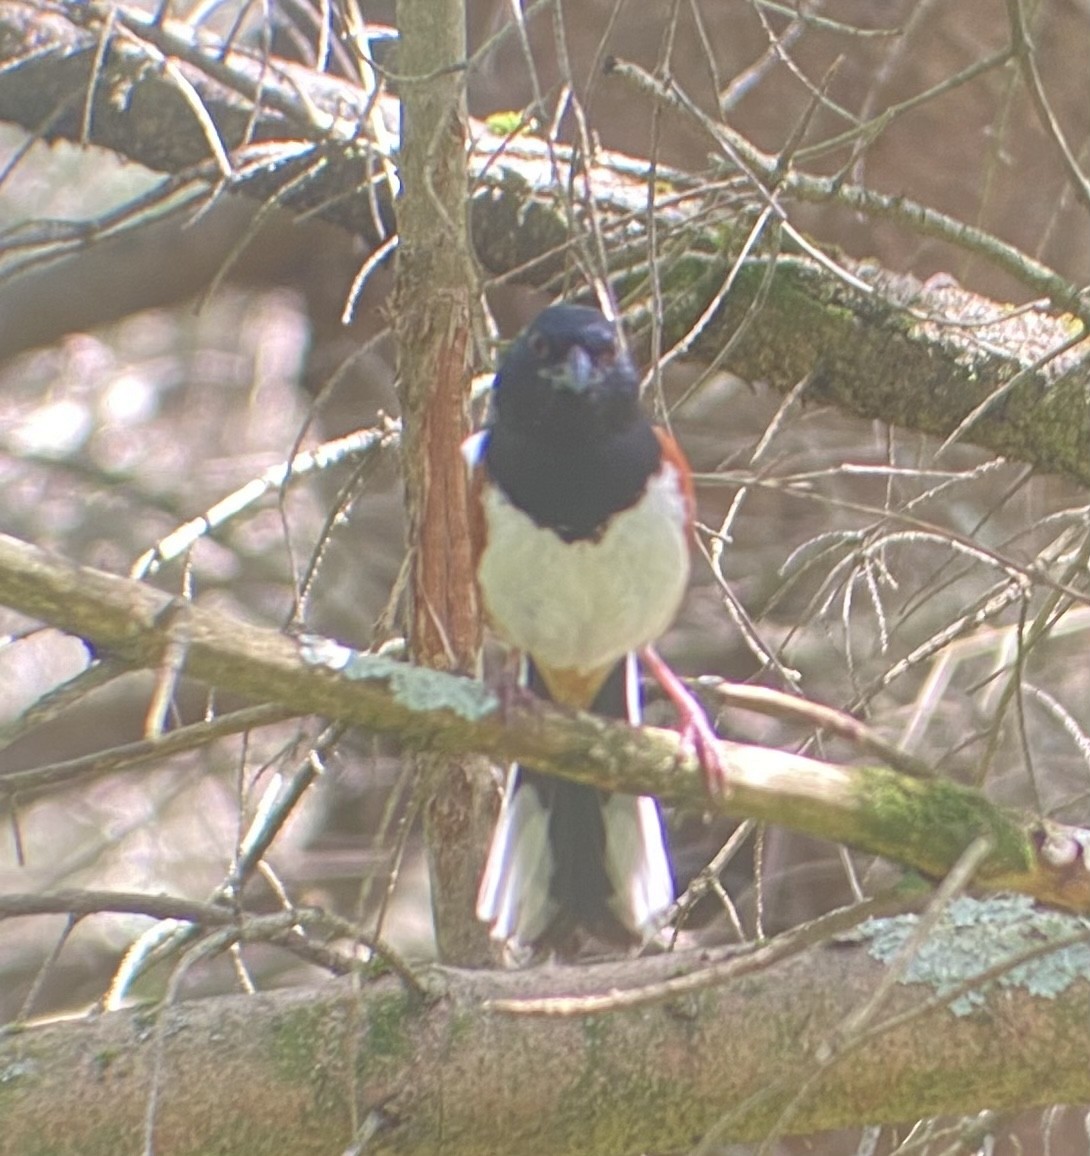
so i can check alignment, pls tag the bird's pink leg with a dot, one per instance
(697, 731)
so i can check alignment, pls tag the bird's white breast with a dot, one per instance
(583, 605)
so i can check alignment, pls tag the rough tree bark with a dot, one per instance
(433, 299)
(760, 1046)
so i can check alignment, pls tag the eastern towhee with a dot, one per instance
(581, 513)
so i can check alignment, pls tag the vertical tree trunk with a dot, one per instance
(432, 304)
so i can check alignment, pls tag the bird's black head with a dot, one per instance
(566, 377)
(569, 444)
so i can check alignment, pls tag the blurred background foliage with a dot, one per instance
(138, 387)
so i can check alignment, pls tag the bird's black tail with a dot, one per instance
(567, 857)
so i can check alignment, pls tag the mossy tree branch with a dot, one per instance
(925, 824)
(935, 359)
(735, 1059)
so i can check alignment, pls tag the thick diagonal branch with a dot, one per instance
(925, 824)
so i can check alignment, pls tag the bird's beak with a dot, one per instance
(579, 372)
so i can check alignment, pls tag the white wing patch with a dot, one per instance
(636, 862)
(514, 895)
(473, 448)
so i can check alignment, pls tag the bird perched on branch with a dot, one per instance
(581, 513)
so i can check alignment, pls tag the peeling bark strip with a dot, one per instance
(432, 301)
(445, 628)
